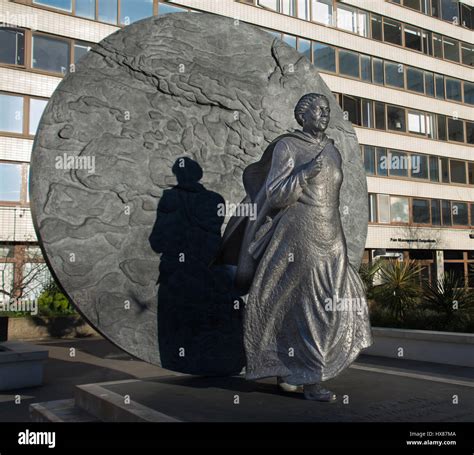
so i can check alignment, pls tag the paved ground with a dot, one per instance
(376, 389)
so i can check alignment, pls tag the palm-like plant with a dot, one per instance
(448, 297)
(399, 288)
(367, 273)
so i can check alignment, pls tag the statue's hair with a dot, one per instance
(305, 102)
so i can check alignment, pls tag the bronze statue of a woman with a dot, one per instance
(292, 261)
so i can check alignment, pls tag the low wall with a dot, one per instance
(428, 346)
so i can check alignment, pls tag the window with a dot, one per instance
(429, 84)
(384, 208)
(288, 7)
(12, 49)
(36, 111)
(85, 8)
(372, 208)
(270, 4)
(369, 159)
(11, 113)
(80, 49)
(379, 116)
(427, 38)
(367, 114)
(413, 38)
(437, 46)
(349, 63)
(458, 171)
(470, 132)
(399, 212)
(376, 22)
(450, 10)
(415, 80)
(10, 182)
(352, 20)
(421, 211)
(434, 169)
(65, 5)
(444, 170)
(439, 84)
(470, 167)
(394, 74)
(302, 7)
(446, 212)
(467, 15)
(322, 11)
(455, 130)
(435, 212)
(134, 10)
(378, 71)
(382, 167)
(289, 39)
(304, 47)
(453, 90)
(468, 92)
(419, 166)
(107, 11)
(442, 132)
(366, 68)
(324, 57)
(398, 163)
(460, 214)
(392, 31)
(352, 106)
(50, 54)
(451, 49)
(467, 54)
(396, 118)
(414, 4)
(417, 123)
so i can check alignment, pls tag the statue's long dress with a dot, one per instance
(288, 330)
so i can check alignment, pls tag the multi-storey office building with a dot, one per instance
(401, 70)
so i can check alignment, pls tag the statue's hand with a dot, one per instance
(313, 168)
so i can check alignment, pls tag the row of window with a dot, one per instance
(14, 182)
(382, 72)
(382, 162)
(116, 12)
(454, 11)
(387, 117)
(386, 208)
(370, 25)
(48, 53)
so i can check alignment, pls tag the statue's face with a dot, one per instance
(317, 116)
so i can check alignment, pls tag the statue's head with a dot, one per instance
(187, 170)
(312, 112)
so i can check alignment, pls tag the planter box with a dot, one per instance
(21, 365)
(428, 346)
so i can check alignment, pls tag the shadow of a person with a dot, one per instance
(199, 328)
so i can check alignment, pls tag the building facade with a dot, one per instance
(402, 72)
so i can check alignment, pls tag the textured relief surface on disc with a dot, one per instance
(105, 162)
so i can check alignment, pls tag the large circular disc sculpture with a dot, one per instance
(195, 89)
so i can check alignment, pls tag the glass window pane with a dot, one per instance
(446, 212)
(450, 10)
(80, 49)
(451, 49)
(415, 80)
(467, 54)
(288, 7)
(419, 166)
(304, 47)
(416, 122)
(384, 208)
(392, 31)
(348, 63)
(415, 4)
(398, 163)
(365, 68)
(346, 18)
(394, 74)
(303, 9)
(36, 111)
(468, 92)
(10, 182)
(363, 23)
(382, 167)
(437, 46)
(65, 5)
(369, 159)
(379, 116)
(11, 113)
(413, 38)
(396, 118)
(378, 71)
(12, 49)
(289, 39)
(470, 132)
(453, 89)
(460, 214)
(455, 130)
(367, 114)
(107, 11)
(322, 11)
(324, 57)
(458, 171)
(439, 83)
(429, 84)
(134, 10)
(434, 169)
(421, 211)
(470, 167)
(50, 54)
(444, 170)
(376, 24)
(270, 4)
(352, 108)
(442, 132)
(427, 38)
(435, 212)
(85, 8)
(372, 208)
(399, 212)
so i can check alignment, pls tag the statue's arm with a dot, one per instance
(284, 185)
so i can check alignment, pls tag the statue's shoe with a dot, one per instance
(317, 393)
(288, 388)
